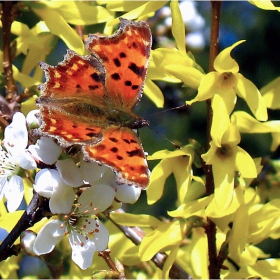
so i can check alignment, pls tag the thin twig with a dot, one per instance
(210, 228)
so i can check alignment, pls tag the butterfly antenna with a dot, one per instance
(170, 109)
(168, 140)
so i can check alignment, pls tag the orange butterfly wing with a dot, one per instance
(87, 100)
(121, 149)
(125, 56)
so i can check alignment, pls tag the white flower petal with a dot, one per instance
(15, 134)
(26, 161)
(27, 239)
(70, 172)
(48, 237)
(101, 238)
(45, 182)
(13, 192)
(32, 120)
(108, 177)
(62, 199)
(92, 171)
(82, 255)
(99, 196)
(46, 150)
(127, 194)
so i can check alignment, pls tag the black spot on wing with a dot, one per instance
(112, 139)
(117, 62)
(119, 157)
(122, 55)
(136, 70)
(135, 153)
(116, 76)
(114, 149)
(91, 87)
(97, 78)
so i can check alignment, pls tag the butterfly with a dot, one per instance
(88, 100)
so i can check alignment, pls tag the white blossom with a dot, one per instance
(14, 160)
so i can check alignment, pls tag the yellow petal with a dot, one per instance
(232, 136)
(270, 94)
(224, 62)
(61, 28)
(206, 88)
(141, 12)
(247, 90)
(188, 75)
(162, 57)
(275, 141)
(169, 262)
(223, 172)
(128, 219)
(245, 164)
(80, 13)
(239, 233)
(264, 4)
(178, 26)
(195, 207)
(157, 180)
(165, 236)
(186, 150)
(247, 124)
(222, 107)
(154, 93)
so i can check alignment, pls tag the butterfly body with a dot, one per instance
(88, 100)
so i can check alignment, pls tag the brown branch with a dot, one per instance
(7, 17)
(34, 213)
(210, 228)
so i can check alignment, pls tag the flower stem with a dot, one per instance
(210, 228)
